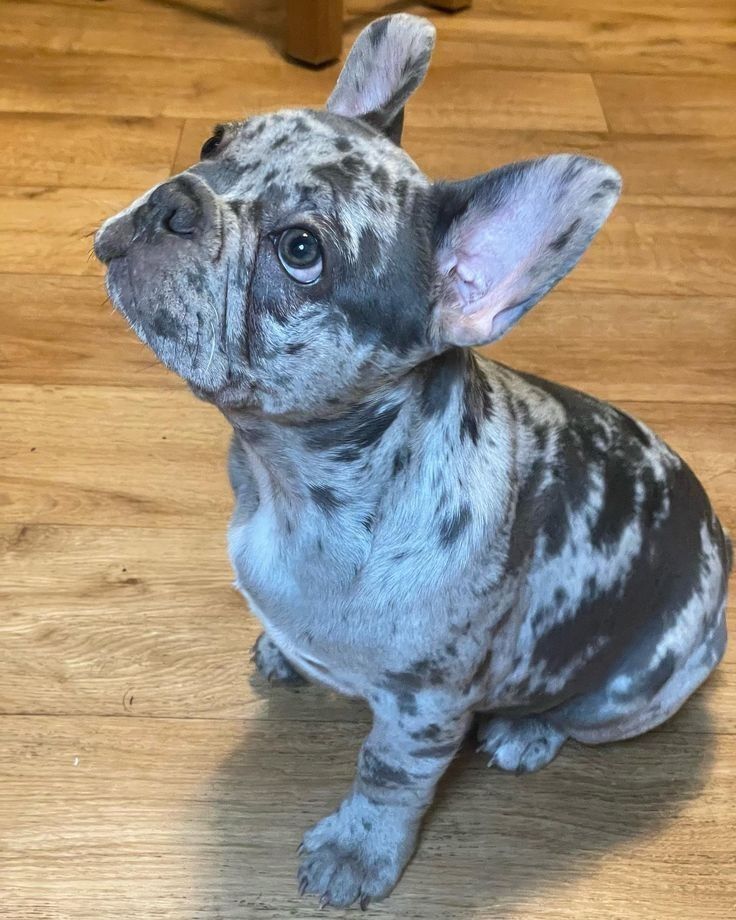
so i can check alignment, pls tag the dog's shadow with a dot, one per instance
(491, 843)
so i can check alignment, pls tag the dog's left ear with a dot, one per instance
(386, 64)
(503, 239)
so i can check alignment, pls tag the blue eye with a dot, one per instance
(300, 254)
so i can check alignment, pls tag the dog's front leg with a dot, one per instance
(359, 851)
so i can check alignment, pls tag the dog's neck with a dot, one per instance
(352, 457)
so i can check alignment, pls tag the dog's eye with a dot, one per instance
(300, 254)
(210, 146)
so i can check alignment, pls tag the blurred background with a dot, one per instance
(145, 773)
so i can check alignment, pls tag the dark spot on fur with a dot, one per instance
(502, 621)
(401, 460)
(400, 190)
(381, 179)
(441, 376)
(378, 31)
(480, 671)
(564, 238)
(326, 498)
(294, 348)
(431, 733)
(436, 750)
(279, 141)
(370, 248)
(406, 702)
(477, 406)
(353, 165)
(343, 144)
(356, 431)
(377, 772)
(453, 525)
(336, 178)
(166, 325)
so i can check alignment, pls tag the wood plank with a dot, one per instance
(100, 84)
(106, 818)
(582, 36)
(218, 31)
(49, 230)
(86, 150)
(115, 456)
(509, 99)
(611, 345)
(669, 105)
(143, 622)
(112, 456)
(193, 87)
(590, 36)
(661, 251)
(61, 330)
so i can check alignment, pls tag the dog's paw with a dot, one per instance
(272, 664)
(356, 854)
(520, 745)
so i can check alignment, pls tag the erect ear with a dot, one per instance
(386, 64)
(503, 239)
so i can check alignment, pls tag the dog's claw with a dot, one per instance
(324, 901)
(303, 885)
(365, 901)
(300, 849)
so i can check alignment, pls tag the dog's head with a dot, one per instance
(306, 259)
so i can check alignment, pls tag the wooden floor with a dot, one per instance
(144, 772)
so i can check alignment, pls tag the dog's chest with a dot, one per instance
(338, 596)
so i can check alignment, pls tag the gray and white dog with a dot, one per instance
(448, 539)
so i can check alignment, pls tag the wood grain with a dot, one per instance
(669, 105)
(168, 822)
(145, 771)
(87, 150)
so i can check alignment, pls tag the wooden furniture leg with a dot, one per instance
(450, 5)
(314, 30)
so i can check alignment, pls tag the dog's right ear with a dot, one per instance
(386, 64)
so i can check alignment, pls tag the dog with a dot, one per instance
(457, 543)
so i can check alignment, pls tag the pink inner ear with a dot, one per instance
(489, 260)
(521, 230)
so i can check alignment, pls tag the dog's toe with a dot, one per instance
(521, 745)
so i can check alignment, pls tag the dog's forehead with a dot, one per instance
(295, 157)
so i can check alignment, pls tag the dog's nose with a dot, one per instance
(114, 237)
(174, 208)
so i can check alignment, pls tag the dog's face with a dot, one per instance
(306, 260)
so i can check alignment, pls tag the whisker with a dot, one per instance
(214, 342)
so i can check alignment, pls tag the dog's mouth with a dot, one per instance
(183, 327)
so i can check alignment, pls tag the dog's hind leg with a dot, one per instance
(634, 701)
(645, 689)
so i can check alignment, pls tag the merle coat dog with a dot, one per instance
(448, 539)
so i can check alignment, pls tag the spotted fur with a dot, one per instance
(437, 534)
